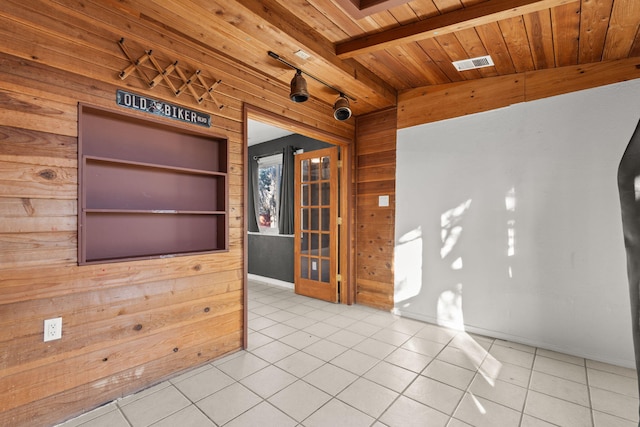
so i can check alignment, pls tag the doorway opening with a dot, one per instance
(281, 255)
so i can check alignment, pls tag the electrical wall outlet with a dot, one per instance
(53, 329)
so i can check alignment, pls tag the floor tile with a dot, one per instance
(299, 400)
(437, 334)
(561, 369)
(154, 407)
(480, 412)
(203, 384)
(560, 388)
(280, 316)
(512, 356)
(449, 374)
(242, 366)
(406, 412)
(614, 404)
(391, 336)
(434, 394)
(461, 358)
(561, 356)
(325, 350)
(190, 416)
(354, 361)
(502, 392)
(277, 331)
(330, 379)
(228, 403)
(264, 415)
(375, 348)
(274, 351)
(368, 397)
(606, 367)
(321, 330)
(336, 413)
(256, 339)
(299, 322)
(363, 328)
(556, 411)
(346, 338)
(268, 381)
(410, 360)
(391, 376)
(300, 364)
(109, 419)
(613, 382)
(529, 421)
(600, 419)
(299, 339)
(423, 346)
(94, 414)
(493, 370)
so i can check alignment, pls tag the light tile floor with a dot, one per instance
(313, 364)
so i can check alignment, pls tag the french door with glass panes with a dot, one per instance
(316, 224)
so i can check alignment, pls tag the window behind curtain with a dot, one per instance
(269, 175)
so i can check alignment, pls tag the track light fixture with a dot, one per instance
(300, 93)
(341, 110)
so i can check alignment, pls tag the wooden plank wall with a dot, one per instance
(375, 154)
(126, 325)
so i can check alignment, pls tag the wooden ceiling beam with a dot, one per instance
(461, 19)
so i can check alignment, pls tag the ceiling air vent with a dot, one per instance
(473, 63)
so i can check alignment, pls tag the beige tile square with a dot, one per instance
(515, 345)
(561, 369)
(407, 326)
(263, 415)
(256, 339)
(529, 421)
(346, 338)
(108, 419)
(410, 360)
(480, 412)
(381, 319)
(155, 406)
(461, 358)
(512, 356)
(560, 388)
(613, 382)
(615, 404)
(606, 367)
(375, 348)
(502, 392)
(96, 416)
(268, 381)
(449, 374)
(274, 351)
(228, 403)
(337, 413)
(143, 393)
(243, 365)
(423, 346)
(280, 315)
(354, 361)
(299, 322)
(368, 397)
(363, 328)
(409, 413)
(300, 364)
(277, 331)
(434, 394)
(457, 423)
(556, 411)
(299, 339)
(325, 350)
(391, 336)
(493, 370)
(330, 379)
(299, 400)
(561, 356)
(391, 376)
(600, 419)
(203, 383)
(190, 416)
(321, 330)
(437, 334)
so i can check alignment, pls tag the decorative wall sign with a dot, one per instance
(161, 108)
(191, 84)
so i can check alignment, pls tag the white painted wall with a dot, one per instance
(546, 170)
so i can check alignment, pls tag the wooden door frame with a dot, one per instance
(346, 211)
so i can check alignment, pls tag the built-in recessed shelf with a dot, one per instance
(148, 189)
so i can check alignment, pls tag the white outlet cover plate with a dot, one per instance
(383, 201)
(53, 329)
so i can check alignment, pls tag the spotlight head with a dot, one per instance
(299, 92)
(341, 110)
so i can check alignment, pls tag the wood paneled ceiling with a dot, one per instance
(407, 46)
